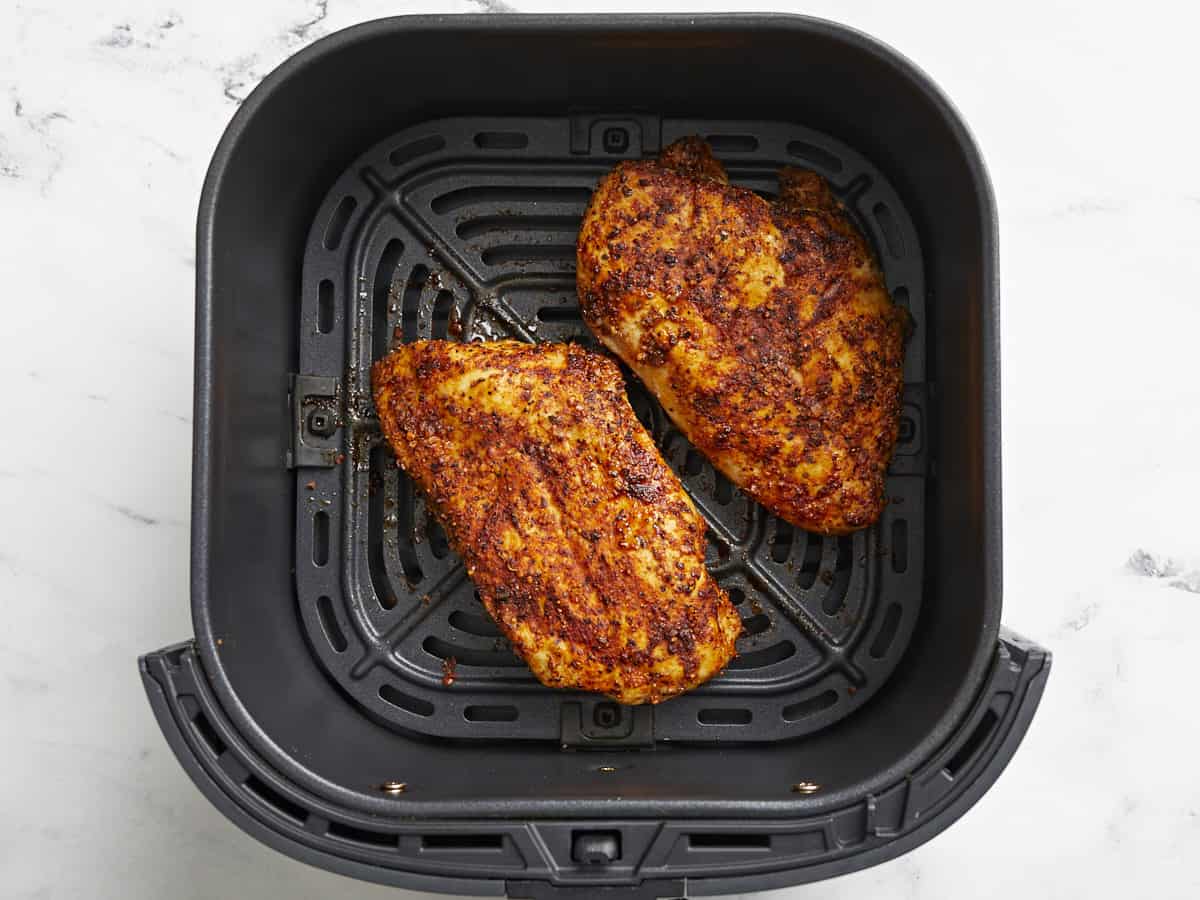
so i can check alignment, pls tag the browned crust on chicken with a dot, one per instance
(581, 541)
(764, 329)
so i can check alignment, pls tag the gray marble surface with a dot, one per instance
(1086, 115)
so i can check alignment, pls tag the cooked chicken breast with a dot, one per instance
(764, 328)
(581, 541)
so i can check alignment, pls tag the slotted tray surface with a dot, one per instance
(464, 229)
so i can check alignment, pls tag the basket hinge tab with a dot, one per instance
(315, 403)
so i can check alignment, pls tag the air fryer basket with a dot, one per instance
(424, 177)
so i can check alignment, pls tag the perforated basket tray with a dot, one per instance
(464, 228)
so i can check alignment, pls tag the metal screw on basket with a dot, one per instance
(805, 787)
(393, 787)
(606, 715)
(606, 770)
(321, 423)
(615, 140)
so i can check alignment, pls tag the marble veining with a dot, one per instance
(109, 114)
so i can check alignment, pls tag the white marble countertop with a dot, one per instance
(108, 116)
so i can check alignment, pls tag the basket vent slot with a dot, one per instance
(208, 734)
(810, 707)
(842, 569)
(405, 549)
(724, 716)
(379, 520)
(476, 227)
(756, 625)
(899, 545)
(325, 306)
(320, 541)
(768, 656)
(722, 489)
(439, 325)
(704, 840)
(438, 545)
(509, 193)
(329, 624)
(338, 222)
(468, 656)
(559, 314)
(971, 745)
(381, 290)
(519, 253)
(411, 303)
(491, 713)
(810, 566)
(356, 835)
(480, 626)
(451, 842)
(501, 140)
(401, 700)
(274, 799)
(781, 544)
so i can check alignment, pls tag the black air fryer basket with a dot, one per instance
(346, 698)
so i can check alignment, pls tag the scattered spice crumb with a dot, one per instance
(339, 459)
(311, 486)
(449, 665)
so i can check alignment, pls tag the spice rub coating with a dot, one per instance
(764, 328)
(581, 541)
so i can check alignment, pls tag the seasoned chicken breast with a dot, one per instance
(581, 541)
(763, 328)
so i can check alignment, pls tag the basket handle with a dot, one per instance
(863, 832)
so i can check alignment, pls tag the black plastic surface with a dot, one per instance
(465, 229)
(565, 858)
(314, 753)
